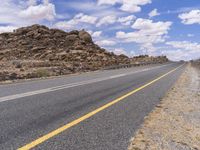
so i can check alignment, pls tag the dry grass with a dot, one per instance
(42, 73)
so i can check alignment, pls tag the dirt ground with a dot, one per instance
(175, 123)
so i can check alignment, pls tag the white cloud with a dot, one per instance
(106, 20)
(107, 2)
(89, 31)
(106, 43)
(7, 28)
(154, 13)
(148, 27)
(22, 13)
(85, 18)
(176, 55)
(185, 45)
(132, 53)
(79, 18)
(127, 20)
(148, 48)
(9, 12)
(66, 25)
(147, 32)
(191, 17)
(133, 5)
(46, 2)
(190, 35)
(32, 2)
(126, 5)
(183, 50)
(39, 12)
(96, 34)
(119, 51)
(94, 9)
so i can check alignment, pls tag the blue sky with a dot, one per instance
(131, 27)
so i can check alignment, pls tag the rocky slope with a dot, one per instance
(149, 59)
(37, 51)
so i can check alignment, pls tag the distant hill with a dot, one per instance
(37, 51)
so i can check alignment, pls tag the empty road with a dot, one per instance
(90, 111)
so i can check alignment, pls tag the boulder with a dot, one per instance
(83, 35)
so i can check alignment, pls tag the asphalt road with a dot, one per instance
(30, 110)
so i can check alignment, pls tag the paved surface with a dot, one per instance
(30, 110)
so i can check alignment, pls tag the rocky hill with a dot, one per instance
(38, 51)
(149, 59)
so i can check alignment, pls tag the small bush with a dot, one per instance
(42, 73)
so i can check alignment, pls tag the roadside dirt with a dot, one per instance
(175, 123)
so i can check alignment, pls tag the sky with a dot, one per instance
(130, 27)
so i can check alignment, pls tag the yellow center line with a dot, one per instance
(88, 115)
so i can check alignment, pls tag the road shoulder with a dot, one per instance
(175, 122)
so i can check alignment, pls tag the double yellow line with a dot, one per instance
(88, 115)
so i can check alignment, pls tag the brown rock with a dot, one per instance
(83, 35)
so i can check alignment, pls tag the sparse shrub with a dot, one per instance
(42, 73)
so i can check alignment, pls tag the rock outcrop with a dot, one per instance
(28, 49)
(37, 51)
(149, 59)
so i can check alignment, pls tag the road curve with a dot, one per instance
(97, 110)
